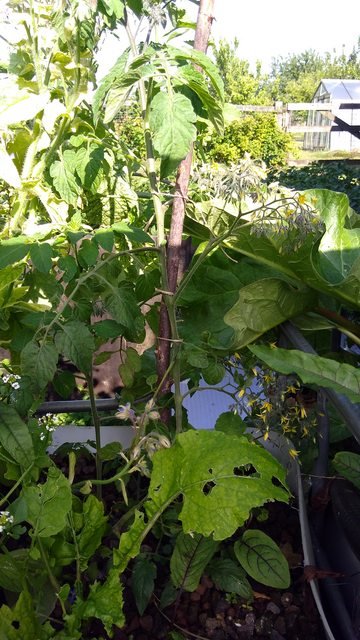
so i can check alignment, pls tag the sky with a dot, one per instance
(272, 28)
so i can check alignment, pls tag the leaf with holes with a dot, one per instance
(21, 621)
(348, 465)
(229, 577)
(172, 119)
(220, 477)
(262, 559)
(143, 581)
(75, 341)
(191, 555)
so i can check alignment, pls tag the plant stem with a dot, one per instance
(52, 578)
(97, 425)
(15, 486)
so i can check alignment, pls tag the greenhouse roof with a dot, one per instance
(342, 89)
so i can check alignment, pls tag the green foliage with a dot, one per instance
(336, 176)
(241, 86)
(143, 581)
(228, 576)
(257, 134)
(48, 504)
(312, 369)
(262, 559)
(191, 555)
(347, 464)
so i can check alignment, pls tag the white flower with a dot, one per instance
(6, 519)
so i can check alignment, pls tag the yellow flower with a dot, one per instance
(266, 435)
(273, 345)
(291, 389)
(303, 413)
(266, 406)
(302, 198)
(255, 372)
(294, 454)
(262, 416)
(241, 393)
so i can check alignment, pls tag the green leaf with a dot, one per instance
(143, 581)
(220, 477)
(21, 623)
(230, 423)
(348, 465)
(229, 577)
(196, 82)
(89, 538)
(75, 341)
(89, 166)
(18, 105)
(105, 239)
(214, 373)
(12, 570)
(63, 175)
(107, 329)
(108, 81)
(41, 256)
(133, 233)
(122, 306)
(313, 369)
(262, 559)
(88, 253)
(15, 437)
(68, 265)
(115, 7)
(191, 555)
(105, 602)
(48, 504)
(39, 363)
(172, 119)
(12, 251)
(202, 60)
(264, 304)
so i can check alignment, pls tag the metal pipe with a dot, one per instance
(76, 406)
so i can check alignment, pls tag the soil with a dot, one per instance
(212, 615)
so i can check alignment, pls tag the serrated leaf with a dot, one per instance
(196, 82)
(48, 504)
(63, 175)
(122, 305)
(68, 265)
(107, 329)
(348, 465)
(39, 362)
(12, 251)
(41, 256)
(202, 60)
(230, 423)
(262, 559)
(20, 622)
(229, 577)
(90, 536)
(191, 555)
(172, 119)
(104, 602)
(143, 581)
(15, 437)
(75, 341)
(313, 369)
(89, 166)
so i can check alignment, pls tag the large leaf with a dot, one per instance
(8, 170)
(229, 305)
(18, 105)
(108, 81)
(48, 504)
(121, 304)
(39, 362)
(306, 264)
(348, 465)
(203, 61)
(313, 369)
(15, 436)
(262, 559)
(20, 623)
(41, 256)
(89, 538)
(75, 341)
(172, 119)
(220, 477)
(196, 82)
(89, 166)
(190, 556)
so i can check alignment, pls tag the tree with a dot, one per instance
(241, 86)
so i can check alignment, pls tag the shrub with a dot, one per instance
(257, 134)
